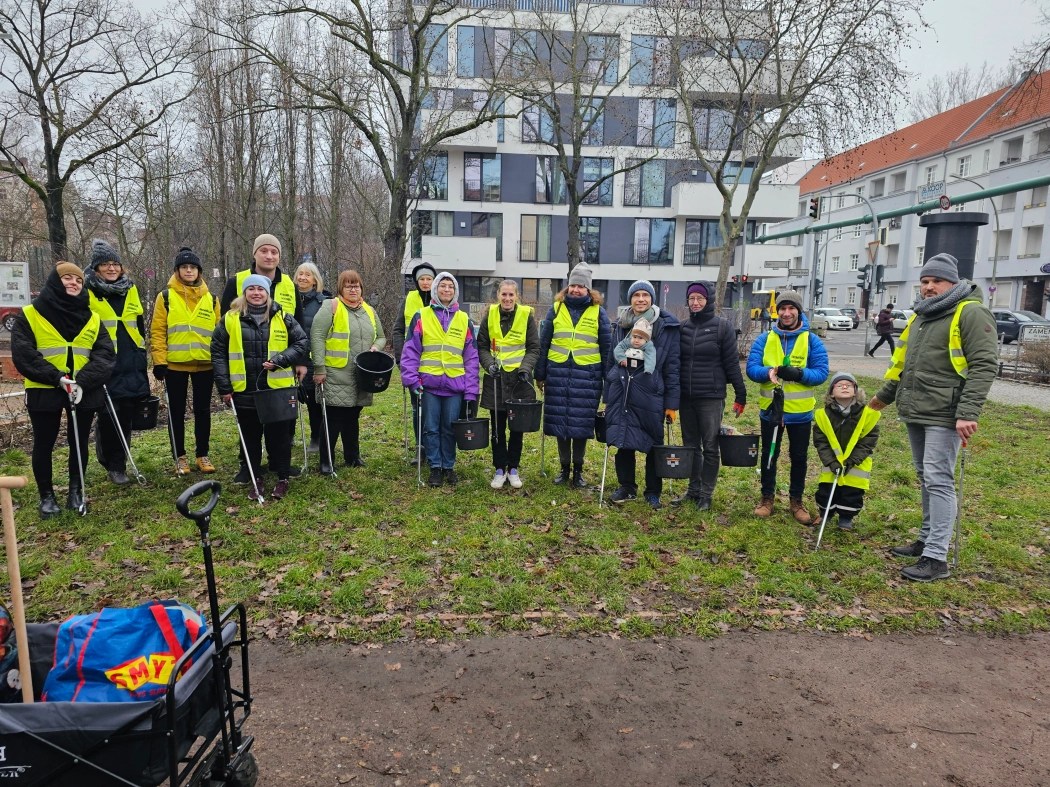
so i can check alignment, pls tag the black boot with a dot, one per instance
(49, 506)
(326, 468)
(577, 478)
(75, 500)
(563, 476)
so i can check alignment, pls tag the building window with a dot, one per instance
(435, 39)
(1009, 202)
(644, 185)
(593, 122)
(900, 182)
(851, 295)
(535, 239)
(841, 201)
(915, 293)
(714, 127)
(857, 230)
(987, 160)
(653, 241)
(931, 175)
(530, 291)
(918, 256)
(860, 191)
(515, 52)
(465, 51)
(834, 264)
(703, 240)
(854, 262)
(481, 177)
(536, 124)
(432, 180)
(833, 295)
(650, 60)
(1011, 151)
(429, 222)
(597, 174)
(488, 225)
(603, 59)
(590, 239)
(878, 187)
(656, 122)
(751, 48)
(470, 289)
(550, 185)
(1039, 196)
(962, 166)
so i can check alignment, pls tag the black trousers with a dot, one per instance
(46, 425)
(625, 471)
(177, 384)
(506, 453)
(277, 437)
(574, 447)
(886, 337)
(345, 423)
(798, 452)
(109, 447)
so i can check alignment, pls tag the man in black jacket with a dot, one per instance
(709, 362)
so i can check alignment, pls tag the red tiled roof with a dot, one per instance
(1025, 104)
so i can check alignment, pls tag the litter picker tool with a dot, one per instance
(419, 444)
(404, 420)
(302, 429)
(123, 440)
(776, 415)
(827, 511)
(543, 420)
(75, 393)
(959, 506)
(171, 428)
(327, 434)
(14, 573)
(247, 460)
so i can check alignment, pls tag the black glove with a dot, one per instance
(493, 368)
(160, 371)
(792, 374)
(472, 409)
(525, 376)
(835, 466)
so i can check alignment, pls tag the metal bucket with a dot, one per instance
(373, 370)
(144, 416)
(471, 434)
(738, 450)
(274, 405)
(524, 416)
(673, 461)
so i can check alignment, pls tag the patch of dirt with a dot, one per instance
(762, 709)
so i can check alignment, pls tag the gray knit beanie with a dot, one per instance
(941, 266)
(581, 275)
(839, 377)
(102, 252)
(789, 296)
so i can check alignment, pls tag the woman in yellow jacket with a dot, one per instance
(184, 318)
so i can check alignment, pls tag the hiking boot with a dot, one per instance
(49, 506)
(498, 480)
(280, 490)
(564, 476)
(204, 465)
(577, 480)
(845, 523)
(654, 502)
(514, 478)
(450, 477)
(243, 476)
(118, 477)
(255, 489)
(623, 494)
(435, 477)
(799, 511)
(914, 549)
(765, 508)
(355, 461)
(314, 447)
(182, 466)
(294, 472)
(75, 500)
(703, 503)
(926, 570)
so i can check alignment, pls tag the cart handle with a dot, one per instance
(200, 488)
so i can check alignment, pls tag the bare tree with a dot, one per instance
(79, 69)
(758, 82)
(959, 86)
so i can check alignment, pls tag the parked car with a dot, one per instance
(900, 319)
(837, 321)
(1008, 324)
(849, 311)
(7, 316)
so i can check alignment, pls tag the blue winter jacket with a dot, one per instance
(815, 373)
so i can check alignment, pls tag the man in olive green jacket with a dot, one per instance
(939, 382)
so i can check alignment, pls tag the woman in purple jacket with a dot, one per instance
(439, 362)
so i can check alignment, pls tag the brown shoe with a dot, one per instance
(802, 516)
(204, 465)
(765, 508)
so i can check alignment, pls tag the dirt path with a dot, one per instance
(763, 709)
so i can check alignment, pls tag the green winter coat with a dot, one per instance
(930, 392)
(340, 385)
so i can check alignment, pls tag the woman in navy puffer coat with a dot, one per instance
(572, 391)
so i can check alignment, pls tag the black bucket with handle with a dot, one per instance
(274, 405)
(738, 450)
(472, 434)
(144, 416)
(524, 416)
(373, 370)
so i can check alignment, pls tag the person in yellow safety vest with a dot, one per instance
(439, 361)
(508, 348)
(59, 345)
(845, 436)
(940, 375)
(793, 359)
(184, 319)
(115, 299)
(423, 275)
(344, 327)
(266, 261)
(258, 347)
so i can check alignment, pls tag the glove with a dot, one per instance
(670, 415)
(472, 409)
(160, 371)
(76, 393)
(525, 376)
(738, 408)
(835, 466)
(418, 390)
(792, 374)
(493, 368)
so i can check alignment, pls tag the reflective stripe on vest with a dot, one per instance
(509, 350)
(189, 335)
(859, 476)
(579, 340)
(413, 304)
(129, 316)
(337, 343)
(55, 349)
(798, 398)
(443, 350)
(955, 349)
(282, 292)
(278, 343)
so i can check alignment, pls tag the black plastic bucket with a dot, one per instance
(471, 434)
(373, 370)
(738, 450)
(144, 416)
(274, 405)
(673, 461)
(599, 426)
(524, 416)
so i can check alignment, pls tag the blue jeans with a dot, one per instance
(439, 442)
(934, 450)
(701, 420)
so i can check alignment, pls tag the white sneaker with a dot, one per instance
(498, 480)
(515, 479)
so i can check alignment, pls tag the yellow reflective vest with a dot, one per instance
(955, 348)
(579, 341)
(282, 292)
(858, 476)
(443, 350)
(798, 397)
(55, 349)
(189, 333)
(129, 316)
(413, 304)
(509, 350)
(278, 343)
(337, 343)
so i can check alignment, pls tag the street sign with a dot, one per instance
(798, 271)
(774, 264)
(931, 191)
(992, 288)
(667, 288)
(1044, 269)
(946, 202)
(1035, 333)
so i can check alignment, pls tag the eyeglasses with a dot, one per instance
(109, 265)
(351, 286)
(696, 298)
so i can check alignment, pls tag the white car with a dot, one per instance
(837, 321)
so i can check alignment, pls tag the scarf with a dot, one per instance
(629, 318)
(103, 288)
(67, 313)
(938, 304)
(260, 314)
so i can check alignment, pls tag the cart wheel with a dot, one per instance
(245, 771)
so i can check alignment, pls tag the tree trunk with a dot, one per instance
(56, 221)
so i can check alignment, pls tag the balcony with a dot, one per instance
(461, 253)
(773, 202)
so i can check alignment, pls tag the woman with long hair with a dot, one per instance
(310, 291)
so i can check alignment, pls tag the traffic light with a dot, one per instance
(879, 285)
(818, 290)
(862, 276)
(744, 278)
(733, 283)
(814, 207)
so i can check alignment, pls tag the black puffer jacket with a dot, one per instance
(511, 387)
(129, 380)
(255, 337)
(709, 358)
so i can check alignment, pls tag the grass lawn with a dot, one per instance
(370, 556)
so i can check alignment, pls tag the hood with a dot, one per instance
(434, 301)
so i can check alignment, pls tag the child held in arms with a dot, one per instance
(637, 347)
